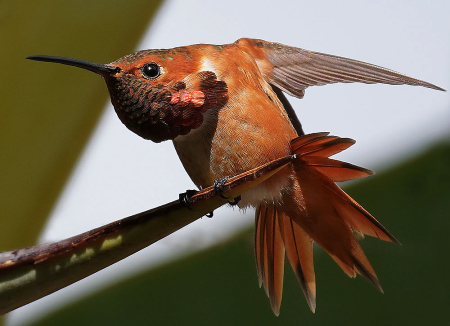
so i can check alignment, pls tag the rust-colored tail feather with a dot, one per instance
(314, 208)
(371, 277)
(337, 171)
(299, 250)
(269, 251)
(356, 216)
(320, 144)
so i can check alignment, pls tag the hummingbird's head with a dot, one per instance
(157, 94)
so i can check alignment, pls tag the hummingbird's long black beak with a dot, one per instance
(94, 67)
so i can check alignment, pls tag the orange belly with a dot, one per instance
(244, 134)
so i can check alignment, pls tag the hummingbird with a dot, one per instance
(224, 109)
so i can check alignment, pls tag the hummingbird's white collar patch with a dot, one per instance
(208, 65)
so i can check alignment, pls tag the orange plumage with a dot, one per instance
(223, 108)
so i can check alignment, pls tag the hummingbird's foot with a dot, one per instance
(218, 188)
(185, 197)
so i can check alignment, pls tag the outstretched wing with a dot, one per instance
(293, 69)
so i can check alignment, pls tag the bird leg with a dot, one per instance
(218, 186)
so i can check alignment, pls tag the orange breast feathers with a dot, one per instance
(251, 129)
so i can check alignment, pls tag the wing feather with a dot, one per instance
(294, 69)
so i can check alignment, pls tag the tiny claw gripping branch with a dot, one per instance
(185, 197)
(218, 186)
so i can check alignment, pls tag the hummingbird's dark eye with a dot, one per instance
(151, 70)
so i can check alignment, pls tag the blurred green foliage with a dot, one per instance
(48, 111)
(218, 286)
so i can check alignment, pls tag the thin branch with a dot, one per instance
(32, 273)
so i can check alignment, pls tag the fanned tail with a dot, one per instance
(331, 213)
(315, 208)
(314, 150)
